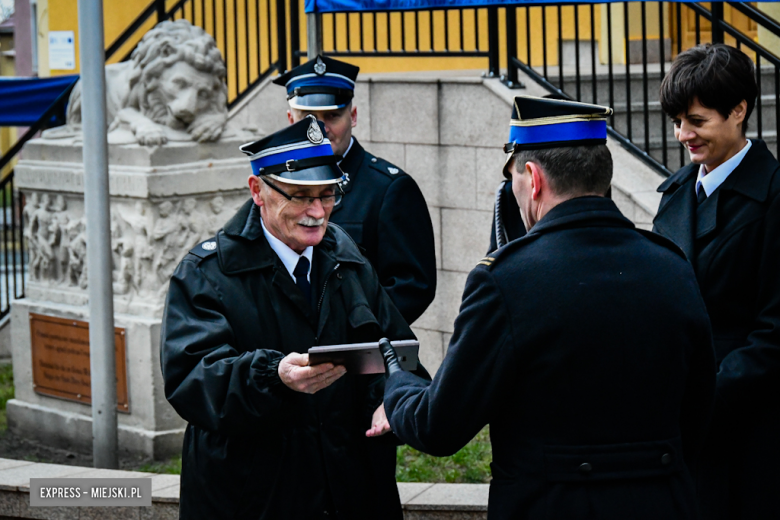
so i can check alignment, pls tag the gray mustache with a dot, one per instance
(311, 221)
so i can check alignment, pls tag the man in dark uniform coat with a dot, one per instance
(723, 210)
(597, 381)
(268, 436)
(383, 209)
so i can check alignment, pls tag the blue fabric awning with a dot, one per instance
(342, 6)
(24, 100)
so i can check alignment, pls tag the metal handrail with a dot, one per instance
(624, 141)
(757, 16)
(151, 9)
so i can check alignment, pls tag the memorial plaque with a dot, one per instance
(60, 357)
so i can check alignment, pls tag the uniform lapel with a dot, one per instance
(676, 216)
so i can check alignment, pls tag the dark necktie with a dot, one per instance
(701, 195)
(301, 272)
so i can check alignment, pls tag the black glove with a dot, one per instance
(389, 356)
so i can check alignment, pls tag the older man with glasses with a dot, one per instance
(269, 436)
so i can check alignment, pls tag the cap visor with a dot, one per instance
(318, 102)
(325, 174)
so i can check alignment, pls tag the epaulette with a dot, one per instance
(487, 261)
(205, 249)
(495, 257)
(383, 166)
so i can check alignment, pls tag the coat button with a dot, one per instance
(585, 467)
(666, 459)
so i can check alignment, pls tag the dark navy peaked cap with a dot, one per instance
(299, 154)
(320, 84)
(552, 123)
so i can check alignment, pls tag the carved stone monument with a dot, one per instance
(175, 177)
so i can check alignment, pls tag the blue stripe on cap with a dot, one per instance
(320, 81)
(573, 131)
(323, 150)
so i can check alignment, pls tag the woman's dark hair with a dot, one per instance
(718, 75)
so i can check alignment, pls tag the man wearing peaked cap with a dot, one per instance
(507, 224)
(270, 437)
(383, 209)
(585, 345)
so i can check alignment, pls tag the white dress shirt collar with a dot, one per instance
(711, 181)
(288, 257)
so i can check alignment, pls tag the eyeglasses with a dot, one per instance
(328, 201)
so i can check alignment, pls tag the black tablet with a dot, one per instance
(365, 358)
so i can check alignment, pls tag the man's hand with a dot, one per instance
(294, 372)
(379, 423)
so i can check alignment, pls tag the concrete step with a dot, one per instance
(419, 500)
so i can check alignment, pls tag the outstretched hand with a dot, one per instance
(297, 375)
(379, 423)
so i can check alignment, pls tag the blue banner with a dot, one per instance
(24, 100)
(341, 6)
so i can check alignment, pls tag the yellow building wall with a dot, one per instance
(117, 16)
(42, 37)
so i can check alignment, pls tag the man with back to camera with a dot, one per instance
(723, 210)
(585, 345)
(383, 209)
(268, 436)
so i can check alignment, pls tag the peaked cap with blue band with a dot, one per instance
(299, 154)
(539, 123)
(320, 84)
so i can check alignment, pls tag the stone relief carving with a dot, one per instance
(147, 240)
(173, 89)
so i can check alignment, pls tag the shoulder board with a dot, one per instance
(384, 167)
(496, 256)
(662, 241)
(205, 249)
(487, 261)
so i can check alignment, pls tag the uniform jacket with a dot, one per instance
(385, 213)
(253, 448)
(733, 242)
(597, 384)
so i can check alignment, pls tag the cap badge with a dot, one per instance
(319, 67)
(314, 133)
(209, 246)
(392, 170)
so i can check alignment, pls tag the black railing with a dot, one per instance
(251, 34)
(450, 33)
(13, 258)
(631, 83)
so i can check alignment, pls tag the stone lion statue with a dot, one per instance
(173, 88)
